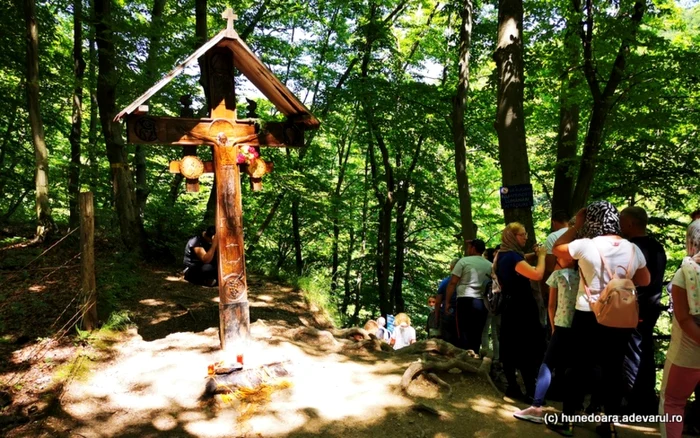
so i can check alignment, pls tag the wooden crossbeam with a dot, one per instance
(178, 131)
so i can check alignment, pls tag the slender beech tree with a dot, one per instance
(77, 115)
(344, 147)
(459, 102)
(603, 95)
(385, 198)
(402, 195)
(92, 134)
(510, 121)
(130, 223)
(151, 73)
(569, 114)
(45, 222)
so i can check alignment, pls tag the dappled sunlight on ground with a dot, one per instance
(151, 382)
(151, 302)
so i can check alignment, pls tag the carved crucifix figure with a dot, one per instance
(226, 135)
(235, 146)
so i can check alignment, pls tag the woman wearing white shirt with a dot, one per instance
(682, 368)
(597, 347)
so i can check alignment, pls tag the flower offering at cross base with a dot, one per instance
(247, 155)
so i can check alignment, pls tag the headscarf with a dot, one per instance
(601, 218)
(509, 238)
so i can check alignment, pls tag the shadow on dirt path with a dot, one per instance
(150, 381)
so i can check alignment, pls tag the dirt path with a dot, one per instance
(149, 382)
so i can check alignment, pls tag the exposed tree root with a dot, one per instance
(373, 344)
(435, 379)
(351, 339)
(436, 346)
(466, 361)
(416, 368)
(425, 408)
(350, 333)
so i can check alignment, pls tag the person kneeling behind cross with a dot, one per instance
(201, 264)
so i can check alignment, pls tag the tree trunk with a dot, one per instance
(151, 76)
(510, 123)
(141, 183)
(77, 116)
(591, 147)
(270, 215)
(14, 205)
(45, 222)
(4, 174)
(383, 263)
(402, 198)
(87, 260)
(397, 301)
(383, 254)
(384, 199)
(202, 36)
(603, 96)
(200, 10)
(343, 155)
(92, 129)
(363, 248)
(458, 129)
(567, 140)
(297, 236)
(346, 278)
(122, 183)
(335, 262)
(186, 111)
(569, 113)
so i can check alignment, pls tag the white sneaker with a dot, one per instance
(533, 414)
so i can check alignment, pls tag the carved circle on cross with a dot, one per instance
(191, 167)
(146, 129)
(234, 287)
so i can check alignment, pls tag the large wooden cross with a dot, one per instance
(228, 137)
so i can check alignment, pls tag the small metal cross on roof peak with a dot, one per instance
(230, 16)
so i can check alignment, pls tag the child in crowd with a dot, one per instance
(433, 324)
(382, 333)
(563, 288)
(403, 335)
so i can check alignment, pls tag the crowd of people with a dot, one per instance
(580, 309)
(553, 323)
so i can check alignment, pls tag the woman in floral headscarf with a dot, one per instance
(598, 348)
(522, 337)
(682, 368)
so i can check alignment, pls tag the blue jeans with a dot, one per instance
(558, 351)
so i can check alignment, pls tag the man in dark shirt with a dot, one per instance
(201, 258)
(633, 223)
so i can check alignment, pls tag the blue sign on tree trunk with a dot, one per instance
(517, 196)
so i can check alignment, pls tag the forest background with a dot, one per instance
(427, 109)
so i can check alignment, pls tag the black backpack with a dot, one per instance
(493, 297)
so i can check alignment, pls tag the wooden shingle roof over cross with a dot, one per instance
(235, 146)
(251, 67)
